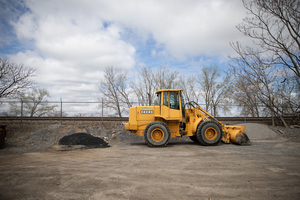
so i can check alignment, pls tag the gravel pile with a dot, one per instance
(87, 140)
(257, 131)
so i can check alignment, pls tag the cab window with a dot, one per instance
(157, 100)
(182, 104)
(166, 99)
(174, 100)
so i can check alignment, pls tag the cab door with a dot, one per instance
(171, 107)
(175, 112)
(165, 110)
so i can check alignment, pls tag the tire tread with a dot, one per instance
(199, 136)
(155, 123)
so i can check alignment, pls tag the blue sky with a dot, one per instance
(70, 42)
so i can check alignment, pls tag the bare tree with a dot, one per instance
(144, 86)
(275, 28)
(245, 96)
(271, 71)
(165, 79)
(187, 83)
(264, 81)
(113, 87)
(34, 104)
(148, 81)
(207, 80)
(122, 89)
(214, 89)
(14, 78)
(221, 95)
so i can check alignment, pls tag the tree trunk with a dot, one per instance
(283, 121)
(272, 116)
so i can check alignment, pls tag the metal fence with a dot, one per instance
(61, 108)
(100, 108)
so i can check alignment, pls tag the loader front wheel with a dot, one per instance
(157, 134)
(209, 133)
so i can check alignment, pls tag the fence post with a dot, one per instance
(102, 110)
(61, 110)
(21, 110)
(245, 113)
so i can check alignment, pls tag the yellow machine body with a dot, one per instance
(171, 119)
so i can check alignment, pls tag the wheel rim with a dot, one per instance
(157, 135)
(211, 133)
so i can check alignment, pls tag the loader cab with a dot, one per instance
(171, 104)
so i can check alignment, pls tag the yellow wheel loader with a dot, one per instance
(170, 119)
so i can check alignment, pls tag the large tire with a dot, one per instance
(209, 133)
(157, 134)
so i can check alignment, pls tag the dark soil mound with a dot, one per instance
(83, 139)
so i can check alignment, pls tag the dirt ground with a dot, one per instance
(266, 169)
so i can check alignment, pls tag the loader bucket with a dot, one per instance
(235, 134)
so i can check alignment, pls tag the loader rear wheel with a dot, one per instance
(157, 134)
(209, 133)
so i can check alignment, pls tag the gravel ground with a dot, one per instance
(35, 166)
(291, 134)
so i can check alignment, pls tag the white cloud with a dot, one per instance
(81, 43)
(68, 83)
(70, 50)
(74, 40)
(185, 28)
